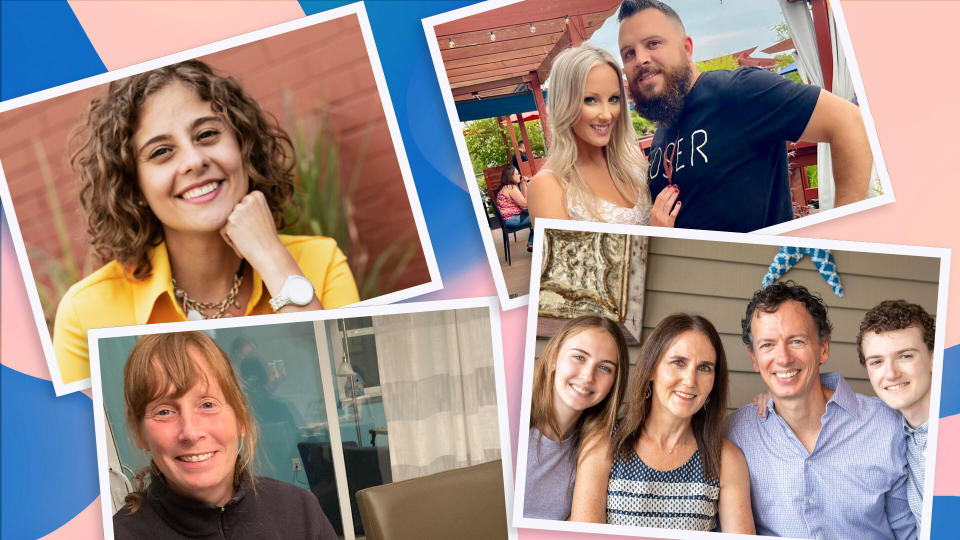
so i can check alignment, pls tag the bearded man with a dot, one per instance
(721, 136)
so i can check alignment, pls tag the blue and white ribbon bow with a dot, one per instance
(789, 256)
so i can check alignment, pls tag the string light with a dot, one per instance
(566, 20)
(451, 43)
(532, 28)
(493, 36)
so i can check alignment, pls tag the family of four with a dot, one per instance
(810, 459)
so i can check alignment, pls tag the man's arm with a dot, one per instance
(839, 122)
(897, 508)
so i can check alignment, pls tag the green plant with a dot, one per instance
(720, 62)
(640, 123)
(327, 209)
(54, 275)
(485, 137)
(812, 176)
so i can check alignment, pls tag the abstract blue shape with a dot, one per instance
(48, 457)
(42, 45)
(949, 394)
(945, 512)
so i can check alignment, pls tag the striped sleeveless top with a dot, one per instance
(641, 496)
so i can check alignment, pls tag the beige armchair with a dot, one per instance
(466, 504)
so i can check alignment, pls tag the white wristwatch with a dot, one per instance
(296, 290)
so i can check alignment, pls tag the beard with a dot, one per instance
(665, 108)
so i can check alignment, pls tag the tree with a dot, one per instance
(640, 123)
(783, 60)
(485, 142)
(720, 62)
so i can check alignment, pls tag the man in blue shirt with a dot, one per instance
(824, 462)
(895, 344)
(721, 135)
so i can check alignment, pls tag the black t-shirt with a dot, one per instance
(731, 163)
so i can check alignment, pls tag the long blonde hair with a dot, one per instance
(626, 162)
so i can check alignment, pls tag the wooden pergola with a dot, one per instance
(496, 61)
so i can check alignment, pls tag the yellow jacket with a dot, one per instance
(109, 298)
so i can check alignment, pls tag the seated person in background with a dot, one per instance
(668, 464)
(896, 346)
(512, 201)
(186, 409)
(824, 462)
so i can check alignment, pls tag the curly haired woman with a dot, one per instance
(185, 181)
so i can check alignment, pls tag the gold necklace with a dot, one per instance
(194, 309)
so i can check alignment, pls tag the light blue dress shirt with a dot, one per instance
(853, 484)
(916, 440)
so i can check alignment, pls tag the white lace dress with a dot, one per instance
(608, 212)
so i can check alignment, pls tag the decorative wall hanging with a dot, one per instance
(790, 255)
(585, 273)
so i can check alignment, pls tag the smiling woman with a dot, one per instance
(578, 385)
(185, 181)
(595, 170)
(185, 408)
(668, 465)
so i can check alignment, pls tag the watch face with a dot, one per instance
(299, 289)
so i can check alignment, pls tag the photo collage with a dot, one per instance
(475, 269)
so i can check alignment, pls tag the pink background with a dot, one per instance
(900, 46)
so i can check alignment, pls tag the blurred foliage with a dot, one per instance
(327, 208)
(812, 176)
(53, 274)
(720, 62)
(640, 124)
(783, 60)
(485, 142)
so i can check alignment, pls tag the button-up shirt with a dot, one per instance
(108, 297)
(853, 483)
(916, 459)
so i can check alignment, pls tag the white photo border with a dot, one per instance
(494, 260)
(358, 9)
(943, 254)
(489, 302)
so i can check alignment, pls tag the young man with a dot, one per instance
(722, 135)
(824, 462)
(895, 344)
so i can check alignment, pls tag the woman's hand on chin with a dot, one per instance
(664, 211)
(251, 231)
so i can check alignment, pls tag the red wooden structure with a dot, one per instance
(510, 50)
(803, 154)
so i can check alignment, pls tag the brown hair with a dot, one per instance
(770, 299)
(120, 226)
(161, 365)
(598, 419)
(707, 423)
(892, 315)
(506, 176)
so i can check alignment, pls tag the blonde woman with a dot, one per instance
(595, 170)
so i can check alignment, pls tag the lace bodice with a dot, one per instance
(608, 212)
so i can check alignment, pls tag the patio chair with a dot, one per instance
(504, 229)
